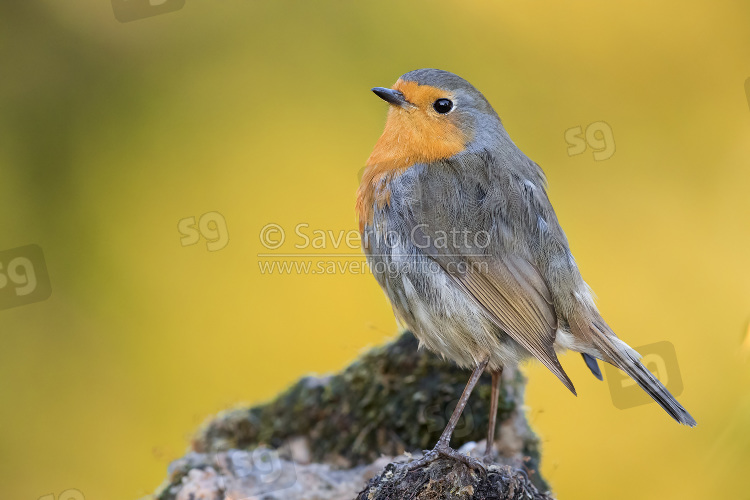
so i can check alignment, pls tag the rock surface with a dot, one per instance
(332, 437)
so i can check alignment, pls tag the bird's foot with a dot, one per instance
(442, 449)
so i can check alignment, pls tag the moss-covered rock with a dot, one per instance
(393, 399)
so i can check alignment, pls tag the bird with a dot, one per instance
(458, 230)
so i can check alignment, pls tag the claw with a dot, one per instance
(429, 456)
(446, 451)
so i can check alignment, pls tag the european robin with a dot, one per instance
(460, 234)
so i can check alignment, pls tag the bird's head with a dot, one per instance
(433, 115)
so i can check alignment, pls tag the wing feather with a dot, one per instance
(509, 289)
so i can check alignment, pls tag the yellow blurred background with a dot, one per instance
(112, 133)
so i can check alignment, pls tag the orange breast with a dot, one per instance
(411, 135)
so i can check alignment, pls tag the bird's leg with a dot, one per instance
(443, 445)
(445, 438)
(493, 411)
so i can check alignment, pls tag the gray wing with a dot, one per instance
(512, 293)
(500, 275)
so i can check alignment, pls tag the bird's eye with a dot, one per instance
(442, 106)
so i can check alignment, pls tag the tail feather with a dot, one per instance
(593, 365)
(645, 379)
(619, 354)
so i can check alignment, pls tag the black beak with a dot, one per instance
(391, 96)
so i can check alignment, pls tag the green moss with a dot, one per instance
(402, 396)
